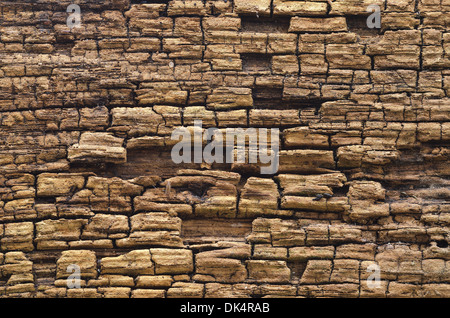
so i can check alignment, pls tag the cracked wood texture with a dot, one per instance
(86, 176)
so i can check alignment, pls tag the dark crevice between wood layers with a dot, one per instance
(265, 24)
(272, 98)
